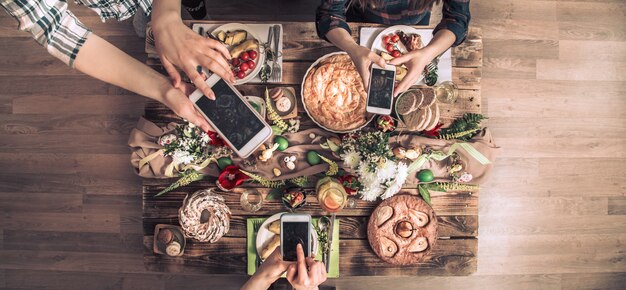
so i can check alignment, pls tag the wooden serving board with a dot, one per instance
(457, 213)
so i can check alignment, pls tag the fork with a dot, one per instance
(256, 225)
(277, 72)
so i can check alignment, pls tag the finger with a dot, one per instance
(213, 44)
(215, 58)
(378, 59)
(171, 70)
(410, 79)
(197, 80)
(291, 273)
(301, 260)
(224, 72)
(401, 59)
(310, 262)
(187, 88)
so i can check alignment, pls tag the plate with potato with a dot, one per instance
(244, 47)
(268, 237)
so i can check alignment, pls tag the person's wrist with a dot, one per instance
(164, 20)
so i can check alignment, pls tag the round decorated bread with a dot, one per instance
(334, 96)
(402, 230)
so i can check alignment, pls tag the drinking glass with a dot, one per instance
(446, 92)
(331, 195)
(251, 199)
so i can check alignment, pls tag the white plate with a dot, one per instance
(251, 35)
(264, 235)
(426, 34)
(304, 103)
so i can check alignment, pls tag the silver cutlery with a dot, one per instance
(266, 71)
(277, 73)
(256, 225)
(330, 240)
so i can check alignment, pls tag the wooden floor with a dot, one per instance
(552, 217)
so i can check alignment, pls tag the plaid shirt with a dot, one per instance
(58, 30)
(332, 14)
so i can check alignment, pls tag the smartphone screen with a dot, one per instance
(294, 233)
(230, 115)
(381, 88)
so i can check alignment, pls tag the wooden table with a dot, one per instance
(456, 250)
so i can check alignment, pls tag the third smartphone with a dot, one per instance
(380, 92)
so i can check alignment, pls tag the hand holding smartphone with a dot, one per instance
(380, 91)
(234, 119)
(295, 229)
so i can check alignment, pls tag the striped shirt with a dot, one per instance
(332, 14)
(54, 27)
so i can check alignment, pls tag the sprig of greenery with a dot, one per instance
(263, 181)
(187, 178)
(333, 168)
(463, 128)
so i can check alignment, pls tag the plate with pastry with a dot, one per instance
(244, 47)
(268, 237)
(333, 94)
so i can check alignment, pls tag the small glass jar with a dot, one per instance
(446, 92)
(251, 199)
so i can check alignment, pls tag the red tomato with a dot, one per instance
(244, 56)
(252, 54)
(243, 67)
(241, 75)
(390, 47)
(386, 39)
(251, 64)
(395, 38)
(235, 62)
(395, 53)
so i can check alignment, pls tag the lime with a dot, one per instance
(313, 158)
(425, 175)
(223, 162)
(282, 143)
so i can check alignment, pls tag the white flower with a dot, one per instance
(402, 171)
(351, 159)
(205, 138)
(191, 125)
(182, 157)
(387, 170)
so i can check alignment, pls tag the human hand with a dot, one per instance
(180, 47)
(362, 58)
(415, 61)
(177, 100)
(274, 266)
(301, 278)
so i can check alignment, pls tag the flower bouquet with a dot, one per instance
(368, 155)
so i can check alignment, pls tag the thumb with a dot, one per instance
(377, 59)
(400, 59)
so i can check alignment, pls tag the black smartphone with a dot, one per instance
(295, 229)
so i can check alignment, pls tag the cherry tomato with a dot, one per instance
(390, 47)
(235, 62)
(244, 56)
(250, 64)
(386, 39)
(395, 38)
(395, 53)
(252, 54)
(243, 67)
(241, 75)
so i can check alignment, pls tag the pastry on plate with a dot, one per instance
(334, 95)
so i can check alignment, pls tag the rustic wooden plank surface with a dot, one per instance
(457, 212)
(544, 191)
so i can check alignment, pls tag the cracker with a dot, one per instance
(429, 97)
(435, 119)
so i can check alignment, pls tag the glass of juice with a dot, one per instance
(331, 195)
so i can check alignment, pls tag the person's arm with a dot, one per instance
(100, 59)
(269, 271)
(455, 18)
(179, 47)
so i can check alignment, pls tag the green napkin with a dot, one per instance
(334, 248)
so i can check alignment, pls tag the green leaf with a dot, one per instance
(274, 194)
(276, 130)
(424, 193)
